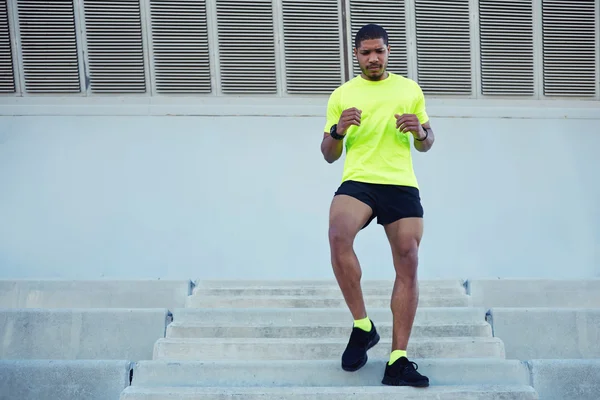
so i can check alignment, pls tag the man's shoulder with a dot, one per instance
(404, 81)
(344, 86)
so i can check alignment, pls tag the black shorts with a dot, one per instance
(388, 202)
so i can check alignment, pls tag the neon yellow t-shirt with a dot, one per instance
(377, 152)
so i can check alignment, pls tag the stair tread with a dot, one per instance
(323, 340)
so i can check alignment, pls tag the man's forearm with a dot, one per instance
(426, 144)
(332, 149)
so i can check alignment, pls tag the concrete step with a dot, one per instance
(266, 329)
(365, 283)
(315, 301)
(63, 379)
(569, 333)
(323, 349)
(323, 373)
(525, 292)
(51, 293)
(83, 334)
(320, 316)
(320, 290)
(333, 393)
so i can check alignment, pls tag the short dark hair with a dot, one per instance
(370, 31)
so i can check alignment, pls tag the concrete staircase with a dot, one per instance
(284, 340)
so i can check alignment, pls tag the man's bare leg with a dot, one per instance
(405, 237)
(347, 216)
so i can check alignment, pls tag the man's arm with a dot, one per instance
(424, 145)
(331, 148)
(424, 138)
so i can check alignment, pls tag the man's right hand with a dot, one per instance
(349, 117)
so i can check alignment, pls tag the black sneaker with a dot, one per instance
(355, 355)
(404, 373)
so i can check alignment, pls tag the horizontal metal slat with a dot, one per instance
(114, 46)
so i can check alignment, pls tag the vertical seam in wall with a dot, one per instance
(345, 54)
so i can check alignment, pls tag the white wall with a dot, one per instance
(142, 196)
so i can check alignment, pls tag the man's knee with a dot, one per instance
(340, 239)
(406, 259)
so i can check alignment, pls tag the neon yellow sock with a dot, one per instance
(396, 354)
(364, 324)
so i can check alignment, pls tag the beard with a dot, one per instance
(376, 73)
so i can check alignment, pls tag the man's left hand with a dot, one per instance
(410, 123)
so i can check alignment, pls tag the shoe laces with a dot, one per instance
(409, 368)
(412, 366)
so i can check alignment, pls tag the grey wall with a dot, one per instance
(160, 196)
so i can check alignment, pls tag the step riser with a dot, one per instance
(388, 393)
(174, 331)
(320, 291)
(323, 373)
(315, 316)
(300, 302)
(300, 351)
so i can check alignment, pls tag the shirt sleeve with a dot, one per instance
(420, 109)
(334, 110)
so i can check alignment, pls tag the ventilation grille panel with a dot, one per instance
(246, 46)
(180, 46)
(49, 46)
(444, 46)
(506, 47)
(7, 76)
(313, 65)
(569, 29)
(114, 45)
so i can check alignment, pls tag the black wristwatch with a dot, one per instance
(333, 133)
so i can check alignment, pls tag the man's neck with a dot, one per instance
(381, 78)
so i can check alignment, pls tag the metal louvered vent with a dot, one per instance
(569, 47)
(312, 66)
(180, 46)
(444, 46)
(390, 14)
(246, 46)
(114, 45)
(49, 46)
(506, 47)
(7, 76)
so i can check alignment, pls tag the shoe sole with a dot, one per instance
(372, 344)
(391, 382)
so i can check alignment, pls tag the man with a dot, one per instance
(376, 113)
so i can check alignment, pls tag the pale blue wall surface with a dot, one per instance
(248, 197)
